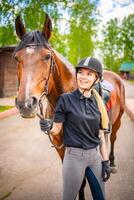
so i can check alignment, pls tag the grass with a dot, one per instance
(6, 196)
(4, 108)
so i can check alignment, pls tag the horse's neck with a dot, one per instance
(66, 72)
(63, 78)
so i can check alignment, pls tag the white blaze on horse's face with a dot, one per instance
(28, 85)
(30, 50)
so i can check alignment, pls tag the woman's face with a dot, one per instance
(85, 78)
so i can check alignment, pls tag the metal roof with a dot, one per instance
(129, 66)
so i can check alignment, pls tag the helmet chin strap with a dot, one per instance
(88, 89)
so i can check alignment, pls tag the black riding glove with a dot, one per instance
(105, 170)
(46, 125)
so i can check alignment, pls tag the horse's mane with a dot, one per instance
(35, 38)
(65, 62)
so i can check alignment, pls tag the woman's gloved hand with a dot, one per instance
(105, 170)
(46, 125)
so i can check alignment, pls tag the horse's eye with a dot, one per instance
(17, 59)
(47, 57)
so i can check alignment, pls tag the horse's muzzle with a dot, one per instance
(27, 108)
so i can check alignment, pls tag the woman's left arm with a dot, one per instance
(105, 160)
(103, 147)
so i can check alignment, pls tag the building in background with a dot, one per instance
(8, 72)
(127, 70)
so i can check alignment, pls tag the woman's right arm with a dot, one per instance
(59, 117)
(56, 128)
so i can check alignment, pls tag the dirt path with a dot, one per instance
(31, 170)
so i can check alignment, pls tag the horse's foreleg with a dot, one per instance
(81, 192)
(113, 136)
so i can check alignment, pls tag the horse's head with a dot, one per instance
(34, 60)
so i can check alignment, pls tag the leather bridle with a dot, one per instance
(45, 94)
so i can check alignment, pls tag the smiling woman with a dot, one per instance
(85, 78)
(43, 72)
(78, 114)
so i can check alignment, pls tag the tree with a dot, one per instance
(82, 23)
(117, 45)
(128, 38)
(75, 43)
(32, 13)
(7, 37)
(110, 46)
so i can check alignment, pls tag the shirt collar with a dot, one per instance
(81, 96)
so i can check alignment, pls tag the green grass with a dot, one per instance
(6, 196)
(4, 108)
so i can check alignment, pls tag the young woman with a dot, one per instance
(78, 113)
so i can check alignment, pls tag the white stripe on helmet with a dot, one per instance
(86, 61)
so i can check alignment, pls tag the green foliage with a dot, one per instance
(4, 108)
(75, 43)
(128, 38)
(118, 43)
(111, 45)
(31, 11)
(80, 18)
(7, 35)
(59, 42)
(80, 38)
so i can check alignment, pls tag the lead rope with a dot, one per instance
(41, 116)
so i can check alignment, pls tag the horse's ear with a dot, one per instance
(20, 29)
(47, 29)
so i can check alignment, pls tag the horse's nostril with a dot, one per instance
(26, 106)
(19, 104)
(16, 101)
(34, 101)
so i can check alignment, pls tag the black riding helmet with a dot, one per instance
(91, 63)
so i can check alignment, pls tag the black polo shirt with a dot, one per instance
(81, 120)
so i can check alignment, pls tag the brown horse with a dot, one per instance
(41, 70)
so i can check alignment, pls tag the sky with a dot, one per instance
(110, 9)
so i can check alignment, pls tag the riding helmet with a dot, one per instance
(90, 63)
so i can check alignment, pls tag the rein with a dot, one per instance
(45, 94)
